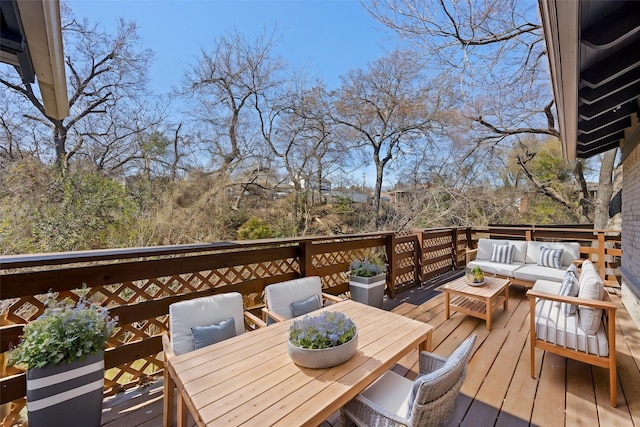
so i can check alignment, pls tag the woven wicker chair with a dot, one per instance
(393, 400)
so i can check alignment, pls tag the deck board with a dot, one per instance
(498, 390)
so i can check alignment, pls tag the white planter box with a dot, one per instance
(368, 290)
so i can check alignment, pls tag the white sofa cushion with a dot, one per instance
(485, 248)
(489, 267)
(591, 287)
(570, 251)
(553, 326)
(203, 311)
(391, 392)
(533, 272)
(279, 296)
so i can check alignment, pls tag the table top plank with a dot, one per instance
(493, 287)
(251, 379)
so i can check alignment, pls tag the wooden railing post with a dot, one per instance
(306, 259)
(418, 258)
(390, 247)
(601, 255)
(454, 247)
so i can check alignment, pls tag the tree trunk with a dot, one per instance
(605, 190)
(376, 199)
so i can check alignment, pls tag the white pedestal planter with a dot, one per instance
(368, 290)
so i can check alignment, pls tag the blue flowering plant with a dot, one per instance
(367, 267)
(67, 331)
(325, 330)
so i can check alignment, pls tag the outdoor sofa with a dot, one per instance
(523, 264)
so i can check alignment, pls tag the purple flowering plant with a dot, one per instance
(325, 330)
(367, 267)
(67, 331)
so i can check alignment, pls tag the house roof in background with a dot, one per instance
(594, 57)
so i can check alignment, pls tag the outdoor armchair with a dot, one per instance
(194, 324)
(286, 300)
(429, 400)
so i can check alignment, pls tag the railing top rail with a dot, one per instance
(76, 257)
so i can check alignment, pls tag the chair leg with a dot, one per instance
(612, 384)
(182, 411)
(532, 336)
(169, 396)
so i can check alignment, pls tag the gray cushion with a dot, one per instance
(570, 287)
(591, 287)
(550, 257)
(308, 305)
(502, 254)
(211, 334)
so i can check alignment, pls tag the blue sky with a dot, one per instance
(325, 38)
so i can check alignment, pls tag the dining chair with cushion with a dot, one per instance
(293, 298)
(429, 400)
(197, 323)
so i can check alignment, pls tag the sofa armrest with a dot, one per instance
(331, 298)
(470, 254)
(605, 304)
(268, 314)
(251, 319)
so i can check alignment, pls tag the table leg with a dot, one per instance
(506, 298)
(425, 345)
(446, 305)
(488, 313)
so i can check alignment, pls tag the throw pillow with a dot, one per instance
(550, 257)
(570, 287)
(502, 254)
(207, 335)
(301, 308)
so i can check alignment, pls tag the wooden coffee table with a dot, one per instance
(477, 301)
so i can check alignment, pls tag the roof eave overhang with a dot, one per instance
(560, 22)
(43, 33)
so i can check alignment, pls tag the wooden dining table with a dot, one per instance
(251, 380)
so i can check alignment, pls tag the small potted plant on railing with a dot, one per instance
(63, 352)
(322, 341)
(367, 278)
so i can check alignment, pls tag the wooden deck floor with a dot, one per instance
(498, 390)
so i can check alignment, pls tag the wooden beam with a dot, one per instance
(589, 95)
(598, 122)
(610, 103)
(588, 138)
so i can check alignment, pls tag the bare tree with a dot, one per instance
(223, 84)
(103, 72)
(386, 107)
(497, 49)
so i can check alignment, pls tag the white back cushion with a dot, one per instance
(485, 247)
(204, 311)
(571, 251)
(279, 296)
(591, 287)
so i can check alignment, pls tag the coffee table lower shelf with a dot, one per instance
(475, 301)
